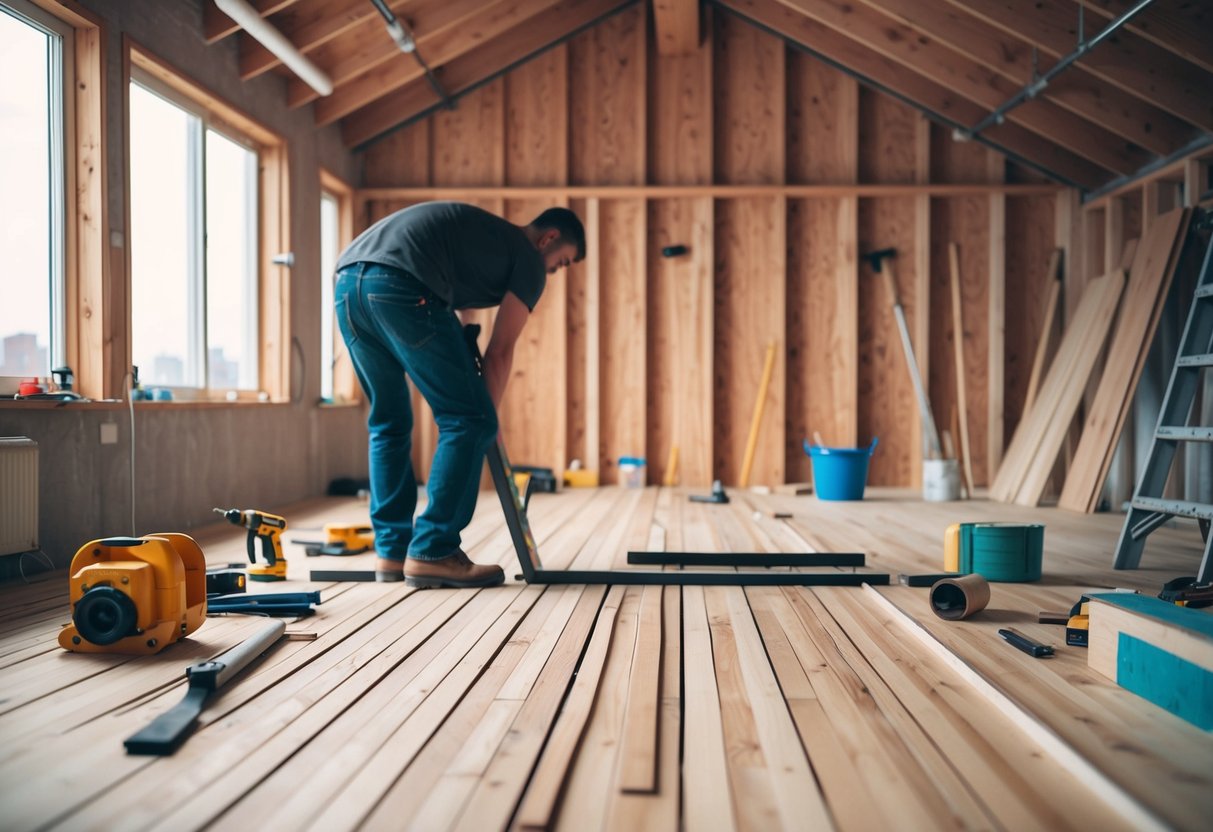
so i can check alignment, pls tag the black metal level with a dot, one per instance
(747, 558)
(646, 577)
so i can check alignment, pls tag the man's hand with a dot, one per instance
(512, 316)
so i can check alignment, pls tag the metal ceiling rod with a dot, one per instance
(406, 43)
(1039, 82)
(272, 39)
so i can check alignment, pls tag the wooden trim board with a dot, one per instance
(1149, 280)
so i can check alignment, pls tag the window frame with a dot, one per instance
(346, 390)
(84, 307)
(148, 69)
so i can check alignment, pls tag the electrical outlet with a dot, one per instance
(109, 433)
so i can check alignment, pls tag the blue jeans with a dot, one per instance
(394, 326)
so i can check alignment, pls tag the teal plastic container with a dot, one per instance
(839, 473)
(1011, 552)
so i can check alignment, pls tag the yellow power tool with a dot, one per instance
(266, 528)
(340, 539)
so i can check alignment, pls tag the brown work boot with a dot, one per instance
(455, 571)
(388, 571)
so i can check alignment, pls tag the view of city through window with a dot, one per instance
(193, 248)
(30, 277)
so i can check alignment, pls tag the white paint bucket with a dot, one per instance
(940, 480)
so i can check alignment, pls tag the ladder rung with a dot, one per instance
(1203, 360)
(1204, 291)
(1177, 507)
(1185, 434)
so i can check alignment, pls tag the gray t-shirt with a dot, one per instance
(467, 256)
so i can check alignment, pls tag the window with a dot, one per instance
(194, 247)
(209, 241)
(330, 247)
(34, 121)
(338, 384)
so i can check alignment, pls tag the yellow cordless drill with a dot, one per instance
(267, 528)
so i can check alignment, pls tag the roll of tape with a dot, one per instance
(954, 599)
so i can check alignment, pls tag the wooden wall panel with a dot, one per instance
(889, 136)
(622, 328)
(680, 289)
(400, 159)
(537, 121)
(607, 80)
(577, 312)
(751, 256)
(750, 300)
(1030, 226)
(680, 345)
(607, 100)
(823, 275)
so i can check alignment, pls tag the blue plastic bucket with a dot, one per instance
(839, 473)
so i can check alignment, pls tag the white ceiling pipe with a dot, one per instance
(273, 40)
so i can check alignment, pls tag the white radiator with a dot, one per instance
(18, 495)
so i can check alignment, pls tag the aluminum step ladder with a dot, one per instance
(1149, 509)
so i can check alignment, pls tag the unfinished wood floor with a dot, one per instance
(621, 708)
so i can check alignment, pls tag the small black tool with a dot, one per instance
(929, 579)
(225, 581)
(1021, 642)
(717, 495)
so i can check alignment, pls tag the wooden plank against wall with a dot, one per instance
(680, 306)
(607, 91)
(823, 291)
(996, 320)
(534, 414)
(966, 222)
(888, 152)
(751, 246)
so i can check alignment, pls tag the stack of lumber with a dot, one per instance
(1039, 437)
(1150, 278)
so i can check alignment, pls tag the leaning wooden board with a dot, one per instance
(1149, 280)
(1020, 479)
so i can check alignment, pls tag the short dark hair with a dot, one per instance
(567, 223)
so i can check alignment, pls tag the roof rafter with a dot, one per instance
(1179, 26)
(216, 25)
(940, 102)
(1011, 57)
(922, 54)
(1126, 61)
(472, 69)
(399, 69)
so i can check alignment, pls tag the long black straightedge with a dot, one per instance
(747, 558)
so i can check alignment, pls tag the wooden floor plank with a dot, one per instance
(707, 802)
(755, 708)
(539, 804)
(1021, 783)
(638, 765)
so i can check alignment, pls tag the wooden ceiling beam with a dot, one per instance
(677, 25)
(368, 45)
(937, 99)
(312, 24)
(1126, 61)
(1179, 26)
(216, 25)
(923, 54)
(1011, 57)
(512, 47)
(388, 69)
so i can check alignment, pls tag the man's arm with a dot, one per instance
(499, 357)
